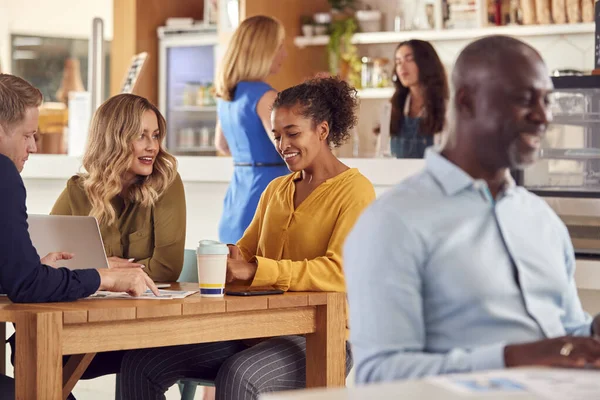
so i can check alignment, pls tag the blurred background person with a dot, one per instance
(244, 119)
(417, 111)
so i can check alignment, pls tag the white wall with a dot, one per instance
(204, 204)
(55, 18)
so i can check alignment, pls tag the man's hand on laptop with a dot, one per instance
(117, 262)
(52, 259)
(134, 281)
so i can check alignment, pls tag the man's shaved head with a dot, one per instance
(500, 103)
(488, 58)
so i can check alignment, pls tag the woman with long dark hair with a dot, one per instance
(419, 103)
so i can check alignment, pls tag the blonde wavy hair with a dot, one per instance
(109, 154)
(249, 55)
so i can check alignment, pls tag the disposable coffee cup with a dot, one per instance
(212, 267)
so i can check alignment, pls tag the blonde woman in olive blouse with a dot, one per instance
(132, 187)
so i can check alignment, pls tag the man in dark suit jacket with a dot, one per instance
(23, 276)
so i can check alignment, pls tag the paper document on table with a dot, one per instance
(559, 384)
(480, 384)
(164, 294)
(547, 383)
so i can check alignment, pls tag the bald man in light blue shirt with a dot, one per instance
(456, 269)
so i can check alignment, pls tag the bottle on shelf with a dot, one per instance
(200, 95)
(399, 21)
(204, 137)
(189, 93)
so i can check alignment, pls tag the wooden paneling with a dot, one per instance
(300, 64)
(75, 317)
(136, 21)
(104, 325)
(288, 301)
(135, 24)
(157, 332)
(317, 299)
(160, 310)
(246, 304)
(205, 307)
(73, 371)
(326, 348)
(123, 45)
(38, 368)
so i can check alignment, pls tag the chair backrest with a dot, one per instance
(189, 272)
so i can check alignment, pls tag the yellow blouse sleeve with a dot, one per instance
(323, 273)
(249, 241)
(169, 214)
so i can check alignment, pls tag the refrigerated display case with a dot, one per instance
(187, 64)
(567, 175)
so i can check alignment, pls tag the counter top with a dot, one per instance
(380, 171)
(587, 273)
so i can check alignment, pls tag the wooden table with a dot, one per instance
(46, 332)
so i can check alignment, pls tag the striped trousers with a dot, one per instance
(240, 372)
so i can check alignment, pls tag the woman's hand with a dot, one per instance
(51, 259)
(117, 262)
(234, 252)
(240, 270)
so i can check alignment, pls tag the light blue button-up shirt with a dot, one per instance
(441, 276)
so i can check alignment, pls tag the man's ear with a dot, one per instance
(465, 104)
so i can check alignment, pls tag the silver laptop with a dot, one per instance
(73, 234)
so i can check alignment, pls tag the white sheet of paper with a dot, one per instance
(560, 384)
(164, 294)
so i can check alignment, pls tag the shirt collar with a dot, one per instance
(451, 178)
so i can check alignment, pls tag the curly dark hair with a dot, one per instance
(324, 99)
(432, 76)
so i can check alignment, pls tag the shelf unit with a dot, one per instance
(195, 149)
(375, 93)
(194, 109)
(453, 34)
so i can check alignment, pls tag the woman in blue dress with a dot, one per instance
(418, 109)
(244, 119)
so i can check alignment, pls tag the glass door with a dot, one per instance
(187, 94)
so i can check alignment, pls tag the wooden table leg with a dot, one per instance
(38, 358)
(3, 348)
(73, 370)
(326, 348)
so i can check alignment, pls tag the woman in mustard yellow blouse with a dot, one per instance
(294, 243)
(132, 187)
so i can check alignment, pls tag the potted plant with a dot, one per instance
(343, 55)
(307, 26)
(341, 5)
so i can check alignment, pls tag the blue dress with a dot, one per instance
(408, 143)
(256, 161)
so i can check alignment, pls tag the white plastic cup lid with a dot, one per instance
(212, 247)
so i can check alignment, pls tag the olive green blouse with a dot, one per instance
(153, 236)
